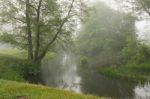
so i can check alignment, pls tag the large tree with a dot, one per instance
(37, 25)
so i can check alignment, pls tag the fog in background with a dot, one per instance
(142, 25)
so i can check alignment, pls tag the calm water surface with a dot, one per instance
(64, 73)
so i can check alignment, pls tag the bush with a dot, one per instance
(12, 75)
(31, 72)
(84, 60)
(10, 68)
(140, 67)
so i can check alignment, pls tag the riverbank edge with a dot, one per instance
(13, 89)
(124, 73)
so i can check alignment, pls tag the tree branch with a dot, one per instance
(29, 4)
(18, 19)
(144, 7)
(58, 31)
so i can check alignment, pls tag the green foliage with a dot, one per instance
(32, 69)
(130, 50)
(143, 68)
(56, 17)
(10, 68)
(109, 42)
(84, 60)
(14, 66)
(143, 54)
(142, 5)
(139, 7)
(7, 38)
(125, 73)
(104, 35)
(136, 67)
(11, 74)
(13, 90)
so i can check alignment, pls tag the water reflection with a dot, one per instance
(63, 72)
(142, 92)
(94, 83)
(70, 78)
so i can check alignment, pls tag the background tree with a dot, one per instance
(104, 35)
(140, 7)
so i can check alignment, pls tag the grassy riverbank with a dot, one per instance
(132, 72)
(10, 64)
(15, 90)
(13, 63)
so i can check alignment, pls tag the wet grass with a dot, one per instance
(15, 90)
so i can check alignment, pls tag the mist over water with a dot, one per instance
(70, 78)
(62, 72)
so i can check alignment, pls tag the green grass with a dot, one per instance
(12, 90)
(10, 67)
(21, 54)
(13, 52)
(13, 63)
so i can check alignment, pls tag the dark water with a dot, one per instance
(64, 73)
(100, 85)
(94, 83)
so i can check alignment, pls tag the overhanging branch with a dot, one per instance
(58, 31)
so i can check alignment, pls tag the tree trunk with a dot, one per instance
(29, 34)
(37, 41)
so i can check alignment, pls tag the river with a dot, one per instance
(64, 73)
